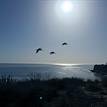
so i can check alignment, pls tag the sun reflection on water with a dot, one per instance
(65, 64)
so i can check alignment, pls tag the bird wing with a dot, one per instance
(52, 53)
(39, 49)
(64, 43)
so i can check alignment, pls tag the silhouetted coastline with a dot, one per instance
(100, 69)
(66, 92)
(53, 93)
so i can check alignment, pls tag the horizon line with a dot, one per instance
(51, 63)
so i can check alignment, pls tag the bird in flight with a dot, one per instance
(51, 53)
(64, 43)
(39, 49)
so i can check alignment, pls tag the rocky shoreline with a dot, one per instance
(100, 69)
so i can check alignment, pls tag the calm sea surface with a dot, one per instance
(46, 71)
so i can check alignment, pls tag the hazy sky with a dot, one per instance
(28, 24)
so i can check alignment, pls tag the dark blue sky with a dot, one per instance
(28, 24)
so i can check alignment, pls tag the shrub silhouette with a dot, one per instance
(54, 93)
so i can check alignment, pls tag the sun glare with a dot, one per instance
(64, 64)
(67, 6)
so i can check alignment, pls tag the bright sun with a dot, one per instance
(67, 6)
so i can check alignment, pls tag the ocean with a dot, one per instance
(46, 71)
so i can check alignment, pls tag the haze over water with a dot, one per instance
(47, 71)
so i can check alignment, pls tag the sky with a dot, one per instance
(26, 25)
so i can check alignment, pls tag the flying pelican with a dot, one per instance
(51, 53)
(39, 49)
(64, 43)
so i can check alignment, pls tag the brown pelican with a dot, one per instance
(39, 49)
(64, 43)
(51, 53)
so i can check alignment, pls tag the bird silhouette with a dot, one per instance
(39, 49)
(51, 53)
(64, 43)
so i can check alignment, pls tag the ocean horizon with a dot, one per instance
(22, 71)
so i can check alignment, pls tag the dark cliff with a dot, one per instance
(100, 69)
